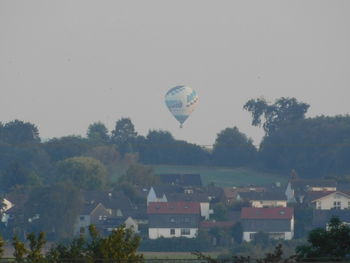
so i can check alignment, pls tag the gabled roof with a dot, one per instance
(321, 217)
(89, 208)
(161, 190)
(190, 197)
(302, 183)
(314, 196)
(109, 199)
(173, 208)
(231, 192)
(263, 196)
(267, 213)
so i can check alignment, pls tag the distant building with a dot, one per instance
(329, 200)
(277, 222)
(173, 219)
(263, 199)
(298, 188)
(91, 214)
(321, 217)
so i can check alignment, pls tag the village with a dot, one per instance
(181, 206)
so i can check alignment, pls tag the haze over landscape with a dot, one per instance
(66, 64)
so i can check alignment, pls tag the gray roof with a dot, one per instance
(266, 225)
(304, 184)
(87, 209)
(160, 190)
(263, 196)
(173, 221)
(110, 200)
(191, 197)
(321, 217)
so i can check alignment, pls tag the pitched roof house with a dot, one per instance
(230, 193)
(264, 199)
(116, 203)
(321, 218)
(297, 188)
(91, 214)
(329, 200)
(277, 222)
(173, 219)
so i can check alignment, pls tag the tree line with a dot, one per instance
(314, 147)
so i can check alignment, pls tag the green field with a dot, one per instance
(222, 176)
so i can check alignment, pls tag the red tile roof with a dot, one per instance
(267, 213)
(173, 208)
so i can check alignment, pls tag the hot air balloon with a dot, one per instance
(181, 102)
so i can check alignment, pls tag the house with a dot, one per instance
(158, 193)
(91, 214)
(200, 197)
(186, 180)
(115, 202)
(180, 194)
(263, 199)
(173, 219)
(230, 193)
(110, 224)
(277, 222)
(320, 218)
(297, 188)
(329, 200)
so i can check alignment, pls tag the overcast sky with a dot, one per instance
(65, 64)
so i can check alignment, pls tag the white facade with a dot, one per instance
(290, 193)
(152, 197)
(205, 210)
(82, 224)
(249, 236)
(336, 200)
(268, 203)
(288, 235)
(154, 233)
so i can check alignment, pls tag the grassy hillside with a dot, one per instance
(222, 176)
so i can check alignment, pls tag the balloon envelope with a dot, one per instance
(181, 102)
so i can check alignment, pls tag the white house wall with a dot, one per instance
(154, 233)
(290, 193)
(327, 202)
(205, 211)
(83, 221)
(247, 235)
(268, 203)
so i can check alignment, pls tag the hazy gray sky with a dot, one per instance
(65, 64)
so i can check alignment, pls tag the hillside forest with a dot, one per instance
(48, 172)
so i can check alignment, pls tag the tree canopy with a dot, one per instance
(233, 148)
(271, 116)
(84, 172)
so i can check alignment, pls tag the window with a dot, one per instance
(187, 219)
(82, 218)
(172, 231)
(318, 205)
(337, 205)
(172, 220)
(185, 231)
